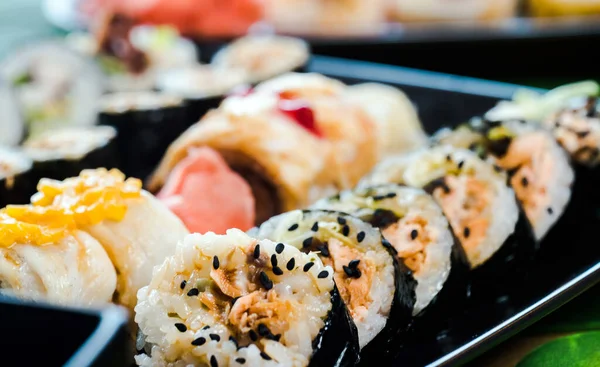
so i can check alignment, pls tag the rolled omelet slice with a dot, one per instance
(136, 230)
(44, 258)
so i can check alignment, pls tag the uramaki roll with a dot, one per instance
(339, 119)
(43, 257)
(136, 230)
(285, 164)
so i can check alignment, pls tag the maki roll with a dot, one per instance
(577, 130)
(63, 153)
(398, 125)
(240, 165)
(146, 122)
(263, 57)
(414, 225)
(378, 290)
(137, 231)
(203, 87)
(539, 170)
(54, 87)
(129, 55)
(43, 257)
(470, 191)
(17, 181)
(12, 128)
(232, 300)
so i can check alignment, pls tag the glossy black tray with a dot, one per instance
(567, 263)
(35, 334)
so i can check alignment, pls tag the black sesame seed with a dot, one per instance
(550, 211)
(353, 264)
(324, 250)
(274, 260)
(183, 284)
(214, 337)
(199, 341)
(466, 232)
(274, 337)
(279, 248)
(263, 330)
(240, 360)
(253, 335)
(414, 234)
(293, 227)
(360, 236)
(291, 264)
(391, 195)
(461, 164)
(265, 281)
(323, 274)
(349, 271)
(265, 356)
(449, 158)
(193, 292)
(213, 361)
(378, 197)
(307, 266)
(234, 341)
(206, 327)
(181, 327)
(582, 134)
(256, 251)
(497, 168)
(234, 300)
(357, 273)
(341, 220)
(215, 262)
(307, 242)
(346, 230)
(524, 182)
(277, 270)
(315, 227)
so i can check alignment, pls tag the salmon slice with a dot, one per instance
(207, 195)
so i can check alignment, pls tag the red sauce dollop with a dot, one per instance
(300, 111)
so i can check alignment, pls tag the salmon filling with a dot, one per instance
(410, 237)
(465, 201)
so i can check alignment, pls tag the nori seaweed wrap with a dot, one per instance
(146, 122)
(232, 300)
(17, 181)
(378, 290)
(58, 154)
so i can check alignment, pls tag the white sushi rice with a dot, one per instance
(13, 162)
(369, 319)
(426, 165)
(166, 301)
(412, 206)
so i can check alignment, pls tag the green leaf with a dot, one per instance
(577, 350)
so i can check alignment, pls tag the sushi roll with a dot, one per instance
(539, 170)
(415, 226)
(240, 165)
(232, 300)
(146, 122)
(203, 87)
(54, 87)
(17, 181)
(43, 257)
(378, 290)
(63, 153)
(398, 125)
(263, 57)
(338, 119)
(471, 193)
(577, 130)
(142, 52)
(137, 231)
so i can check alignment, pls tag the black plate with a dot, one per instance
(567, 263)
